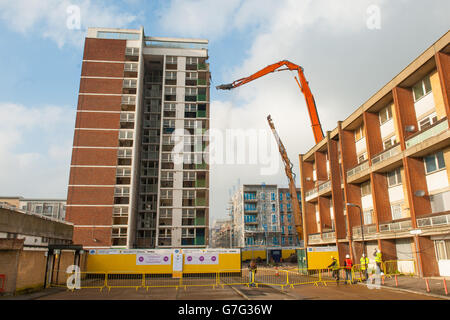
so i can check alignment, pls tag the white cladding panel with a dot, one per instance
(367, 202)
(396, 193)
(424, 105)
(387, 129)
(437, 180)
(361, 146)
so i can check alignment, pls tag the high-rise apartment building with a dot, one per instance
(139, 176)
(387, 166)
(262, 216)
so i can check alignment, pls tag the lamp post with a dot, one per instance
(362, 226)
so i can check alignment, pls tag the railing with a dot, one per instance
(359, 168)
(431, 132)
(386, 154)
(311, 194)
(434, 221)
(368, 229)
(329, 235)
(314, 238)
(396, 226)
(324, 185)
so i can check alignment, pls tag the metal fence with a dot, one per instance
(263, 276)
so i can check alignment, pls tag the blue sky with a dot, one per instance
(345, 61)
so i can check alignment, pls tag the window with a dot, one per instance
(290, 240)
(362, 157)
(274, 218)
(265, 227)
(190, 60)
(421, 88)
(290, 229)
(171, 60)
(385, 114)
(434, 162)
(288, 196)
(281, 197)
(389, 142)
(359, 133)
(365, 189)
(289, 216)
(263, 196)
(281, 218)
(170, 90)
(282, 229)
(171, 75)
(427, 121)
(442, 249)
(272, 196)
(281, 207)
(274, 228)
(289, 209)
(283, 240)
(273, 207)
(394, 177)
(368, 216)
(396, 210)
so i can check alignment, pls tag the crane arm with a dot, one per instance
(302, 83)
(291, 177)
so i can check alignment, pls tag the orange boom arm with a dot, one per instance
(302, 83)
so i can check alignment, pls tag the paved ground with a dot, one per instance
(303, 292)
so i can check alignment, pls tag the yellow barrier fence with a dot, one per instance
(263, 276)
(233, 277)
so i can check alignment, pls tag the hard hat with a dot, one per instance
(363, 255)
(347, 256)
(332, 257)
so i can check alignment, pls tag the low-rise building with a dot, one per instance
(380, 178)
(53, 208)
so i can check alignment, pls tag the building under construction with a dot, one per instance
(386, 165)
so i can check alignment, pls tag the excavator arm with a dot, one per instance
(302, 83)
(291, 177)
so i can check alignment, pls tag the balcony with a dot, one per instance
(431, 132)
(396, 226)
(200, 183)
(314, 238)
(368, 230)
(434, 221)
(359, 168)
(311, 194)
(329, 236)
(387, 154)
(202, 66)
(324, 187)
(200, 202)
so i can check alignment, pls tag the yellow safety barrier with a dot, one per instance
(274, 277)
(161, 280)
(399, 267)
(336, 276)
(199, 280)
(124, 280)
(303, 276)
(233, 277)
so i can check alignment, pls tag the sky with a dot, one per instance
(349, 50)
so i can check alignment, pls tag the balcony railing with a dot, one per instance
(311, 194)
(386, 154)
(434, 221)
(396, 226)
(431, 132)
(359, 168)
(314, 238)
(325, 185)
(329, 235)
(368, 229)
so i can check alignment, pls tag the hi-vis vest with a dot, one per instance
(335, 266)
(364, 262)
(378, 257)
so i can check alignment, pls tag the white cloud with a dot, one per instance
(345, 63)
(48, 19)
(35, 150)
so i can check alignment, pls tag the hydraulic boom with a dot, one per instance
(302, 83)
(291, 177)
